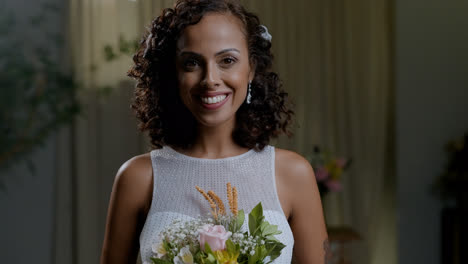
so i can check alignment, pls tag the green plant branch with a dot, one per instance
(21, 146)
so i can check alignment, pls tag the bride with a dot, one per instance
(210, 102)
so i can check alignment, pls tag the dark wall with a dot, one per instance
(432, 107)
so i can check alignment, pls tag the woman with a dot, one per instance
(210, 102)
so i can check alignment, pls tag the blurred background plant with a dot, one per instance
(38, 95)
(328, 170)
(124, 48)
(452, 184)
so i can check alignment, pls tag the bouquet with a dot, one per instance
(328, 170)
(218, 238)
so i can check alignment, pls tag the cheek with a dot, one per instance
(184, 90)
(238, 74)
(238, 80)
(186, 81)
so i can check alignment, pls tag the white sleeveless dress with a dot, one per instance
(175, 196)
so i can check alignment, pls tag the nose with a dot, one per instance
(211, 76)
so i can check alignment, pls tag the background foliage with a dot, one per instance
(37, 95)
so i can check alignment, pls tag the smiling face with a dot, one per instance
(213, 68)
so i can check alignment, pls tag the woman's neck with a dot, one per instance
(215, 142)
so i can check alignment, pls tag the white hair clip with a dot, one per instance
(265, 34)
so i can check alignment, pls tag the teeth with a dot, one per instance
(213, 100)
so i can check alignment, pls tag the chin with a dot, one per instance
(214, 121)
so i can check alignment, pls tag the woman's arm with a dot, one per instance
(300, 192)
(129, 204)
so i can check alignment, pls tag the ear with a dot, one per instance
(253, 66)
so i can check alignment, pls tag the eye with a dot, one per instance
(190, 64)
(228, 61)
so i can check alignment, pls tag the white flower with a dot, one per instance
(159, 249)
(184, 256)
(266, 35)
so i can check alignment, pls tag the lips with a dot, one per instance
(214, 100)
(208, 94)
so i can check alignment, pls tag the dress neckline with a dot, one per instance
(187, 157)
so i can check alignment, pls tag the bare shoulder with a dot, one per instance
(137, 170)
(135, 178)
(128, 206)
(295, 180)
(298, 193)
(137, 167)
(293, 166)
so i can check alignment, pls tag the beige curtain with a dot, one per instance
(105, 135)
(335, 60)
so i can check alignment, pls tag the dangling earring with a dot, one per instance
(249, 97)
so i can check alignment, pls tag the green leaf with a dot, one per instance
(274, 249)
(271, 238)
(232, 227)
(262, 226)
(257, 211)
(253, 259)
(270, 230)
(230, 247)
(260, 254)
(252, 224)
(208, 249)
(166, 245)
(240, 219)
(209, 258)
(160, 261)
(255, 219)
(109, 53)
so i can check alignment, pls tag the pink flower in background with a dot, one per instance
(215, 236)
(334, 185)
(328, 170)
(321, 174)
(341, 162)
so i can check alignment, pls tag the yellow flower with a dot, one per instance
(225, 258)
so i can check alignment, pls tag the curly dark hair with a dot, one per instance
(157, 103)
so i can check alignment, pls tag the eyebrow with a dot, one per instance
(227, 50)
(216, 54)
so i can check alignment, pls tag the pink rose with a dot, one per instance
(334, 185)
(215, 236)
(321, 174)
